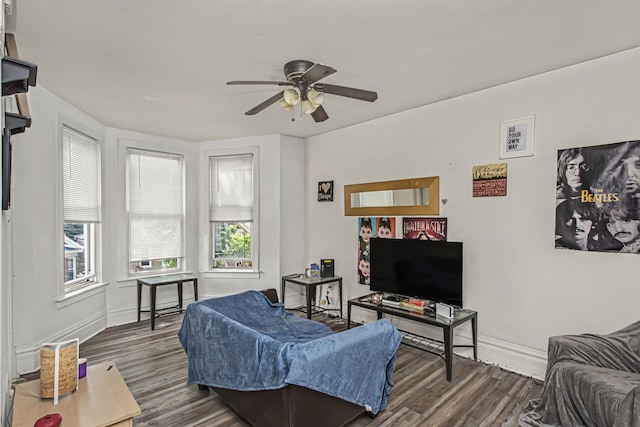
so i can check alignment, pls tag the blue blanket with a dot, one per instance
(245, 342)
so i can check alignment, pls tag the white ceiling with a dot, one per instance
(160, 67)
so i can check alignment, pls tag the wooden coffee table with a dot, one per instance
(102, 399)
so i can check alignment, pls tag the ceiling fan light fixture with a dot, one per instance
(308, 107)
(291, 96)
(286, 105)
(315, 97)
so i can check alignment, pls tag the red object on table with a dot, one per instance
(49, 420)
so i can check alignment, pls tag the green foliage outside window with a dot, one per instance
(170, 263)
(233, 241)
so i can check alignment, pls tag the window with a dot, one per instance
(232, 212)
(155, 208)
(81, 199)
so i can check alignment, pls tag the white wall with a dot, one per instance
(5, 290)
(36, 316)
(523, 289)
(291, 198)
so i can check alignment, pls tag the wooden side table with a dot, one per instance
(102, 399)
(155, 281)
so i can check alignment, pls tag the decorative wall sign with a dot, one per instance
(424, 228)
(517, 137)
(598, 198)
(325, 191)
(490, 180)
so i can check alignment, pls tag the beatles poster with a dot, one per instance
(598, 198)
(490, 180)
(424, 228)
(368, 227)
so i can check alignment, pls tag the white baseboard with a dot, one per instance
(513, 357)
(28, 357)
(129, 314)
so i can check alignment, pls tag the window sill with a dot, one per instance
(230, 274)
(77, 295)
(132, 280)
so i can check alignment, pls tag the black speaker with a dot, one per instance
(326, 268)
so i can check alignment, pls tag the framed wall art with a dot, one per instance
(490, 180)
(598, 198)
(325, 191)
(424, 228)
(517, 137)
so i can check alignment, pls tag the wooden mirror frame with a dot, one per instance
(433, 208)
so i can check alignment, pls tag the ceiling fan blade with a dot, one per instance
(317, 72)
(255, 110)
(320, 115)
(349, 92)
(259, 82)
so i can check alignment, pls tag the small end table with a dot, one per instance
(155, 281)
(310, 288)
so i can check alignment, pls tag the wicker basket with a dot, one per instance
(67, 362)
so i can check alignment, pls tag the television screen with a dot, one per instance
(418, 268)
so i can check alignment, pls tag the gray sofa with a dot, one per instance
(591, 380)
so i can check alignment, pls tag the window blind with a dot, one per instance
(81, 185)
(155, 205)
(231, 188)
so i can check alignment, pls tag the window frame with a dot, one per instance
(181, 261)
(66, 290)
(79, 283)
(255, 224)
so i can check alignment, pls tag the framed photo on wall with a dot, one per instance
(325, 191)
(424, 228)
(490, 180)
(517, 137)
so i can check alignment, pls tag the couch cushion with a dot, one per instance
(599, 391)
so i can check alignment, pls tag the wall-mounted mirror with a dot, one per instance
(419, 196)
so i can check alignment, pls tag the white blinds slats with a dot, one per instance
(156, 205)
(231, 188)
(81, 167)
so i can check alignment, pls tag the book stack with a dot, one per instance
(415, 304)
(393, 300)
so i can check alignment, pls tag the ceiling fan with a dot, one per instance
(302, 77)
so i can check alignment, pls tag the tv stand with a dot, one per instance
(432, 346)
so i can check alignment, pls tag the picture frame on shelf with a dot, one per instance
(517, 137)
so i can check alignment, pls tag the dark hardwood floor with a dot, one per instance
(153, 365)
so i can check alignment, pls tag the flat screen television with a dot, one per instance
(418, 268)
